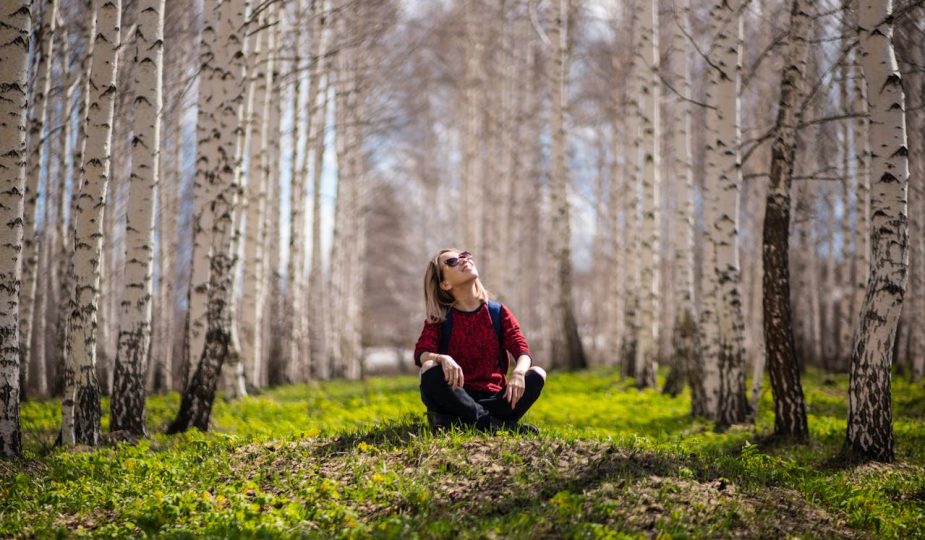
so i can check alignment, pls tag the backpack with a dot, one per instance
(494, 309)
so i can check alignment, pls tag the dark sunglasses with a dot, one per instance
(453, 261)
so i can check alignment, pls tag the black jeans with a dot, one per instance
(474, 407)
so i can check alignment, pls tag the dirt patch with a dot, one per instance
(572, 481)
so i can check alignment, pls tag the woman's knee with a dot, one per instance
(539, 371)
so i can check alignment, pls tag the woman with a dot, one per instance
(463, 350)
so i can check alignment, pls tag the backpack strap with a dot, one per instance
(494, 310)
(445, 330)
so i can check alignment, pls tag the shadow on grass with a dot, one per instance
(389, 434)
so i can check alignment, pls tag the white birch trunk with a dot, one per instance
(860, 134)
(38, 105)
(357, 199)
(15, 25)
(566, 349)
(649, 256)
(845, 297)
(686, 345)
(725, 179)
(870, 430)
(128, 399)
(257, 181)
(472, 204)
(316, 294)
(203, 193)
(294, 291)
(829, 288)
(222, 79)
(335, 304)
(81, 406)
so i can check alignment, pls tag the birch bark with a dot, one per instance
(870, 429)
(685, 336)
(252, 305)
(15, 25)
(565, 348)
(128, 399)
(81, 406)
(789, 407)
(223, 79)
(647, 349)
(722, 124)
(38, 105)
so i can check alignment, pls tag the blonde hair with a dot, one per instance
(438, 301)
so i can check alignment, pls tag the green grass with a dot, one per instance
(354, 460)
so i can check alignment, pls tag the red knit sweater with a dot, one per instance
(474, 346)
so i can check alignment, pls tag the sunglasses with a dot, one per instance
(452, 262)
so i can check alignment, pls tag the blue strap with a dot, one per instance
(445, 332)
(494, 310)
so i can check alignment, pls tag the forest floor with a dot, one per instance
(353, 460)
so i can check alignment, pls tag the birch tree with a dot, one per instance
(294, 291)
(647, 345)
(223, 84)
(726, 378)
(15, 25)
(128, 399)
(315, 277)
(685, 335)
(38, 105)
(870, 429)
(261, 82)
(632, 172)
(81, 405)
(789, 407)
(566, 349)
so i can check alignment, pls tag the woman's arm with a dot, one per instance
(427, 344)
(523, 364)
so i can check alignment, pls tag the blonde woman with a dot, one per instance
(463, 352)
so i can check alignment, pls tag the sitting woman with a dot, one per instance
(463, 350)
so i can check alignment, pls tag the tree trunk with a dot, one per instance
(860, 263)
(261, 80)
(38, 105)
(566, 348)
(649, 256)
(128, 398)
(15, 23)
(223, 80)
(316, 294)
(274, 354)
(789, 407)
(870, 428)
(686, 353)
(295, 355)
(472, 204)
(723, 131)
(81, 406)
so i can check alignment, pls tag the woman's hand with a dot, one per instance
(451, 371)
(515, 388)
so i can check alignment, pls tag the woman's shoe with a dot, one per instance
(438, 421)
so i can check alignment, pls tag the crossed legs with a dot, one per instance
(477, 408)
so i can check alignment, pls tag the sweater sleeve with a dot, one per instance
(514, 340)
(428, 342)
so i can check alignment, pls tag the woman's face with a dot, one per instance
(462, 272)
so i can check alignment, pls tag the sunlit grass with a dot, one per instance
(354, 459)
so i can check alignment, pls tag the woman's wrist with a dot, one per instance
(523, 364)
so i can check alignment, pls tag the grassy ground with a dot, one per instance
(355, 460)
